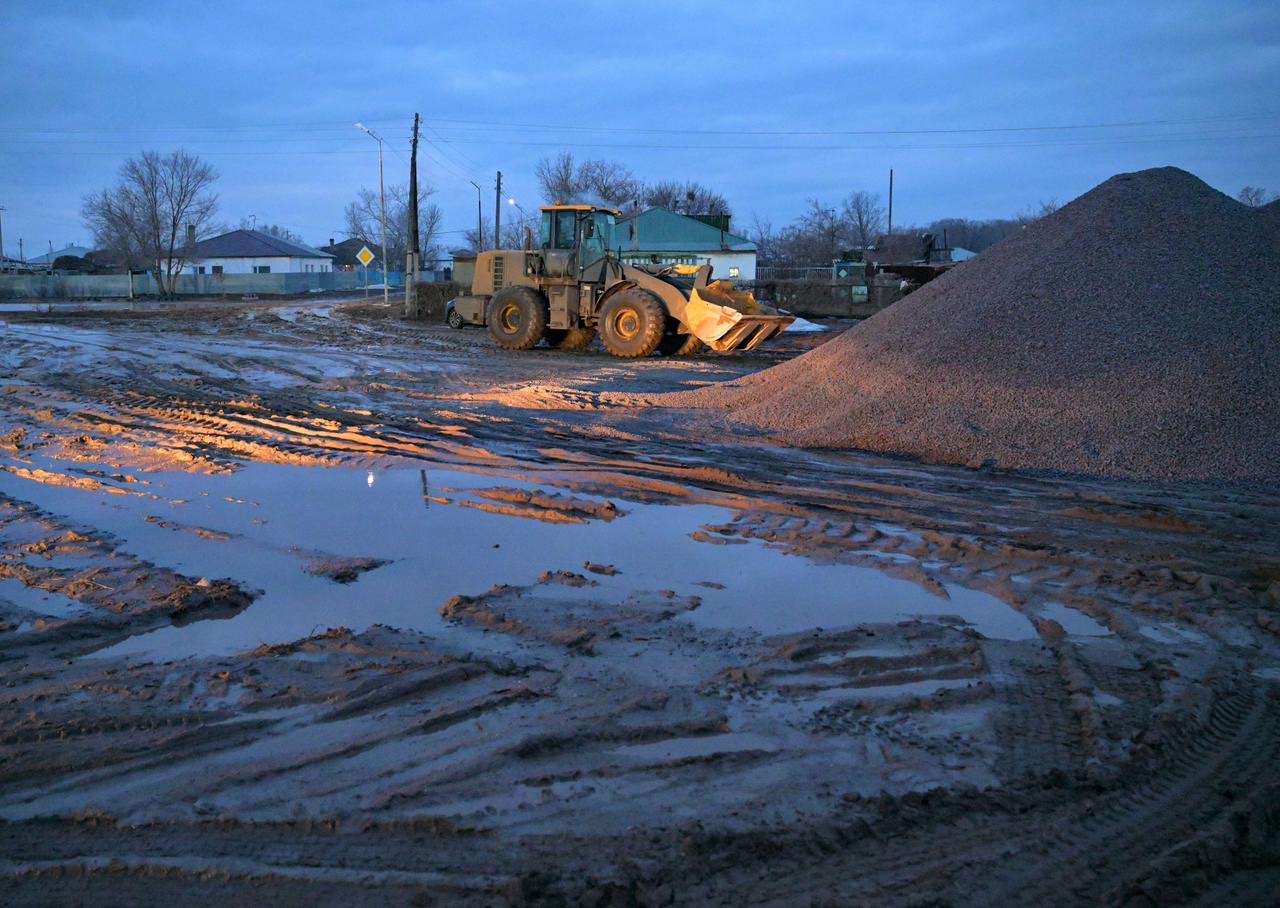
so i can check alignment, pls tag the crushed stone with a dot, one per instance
(1133, 333)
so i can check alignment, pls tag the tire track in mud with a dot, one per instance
(1094, 847)
(1102, 849)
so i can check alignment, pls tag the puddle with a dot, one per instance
(701, 746)
(50, 604)
(1172, 633)
(1073, 621)
(276, 517)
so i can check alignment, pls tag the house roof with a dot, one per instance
(51, 257)
(253, 244)
(662, 230)
(345, 252)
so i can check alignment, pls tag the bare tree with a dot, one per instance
(762, 234)
(277, 230)
(1032, 213)
(558, 178)
(685, 197)
(430, 217)
(609, 182)
(479, 238)
(602, 182)
(818, 237)
(1256, 196)
(364, 221)
(864, 217)
(147, 215)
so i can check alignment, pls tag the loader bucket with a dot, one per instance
(727, 319)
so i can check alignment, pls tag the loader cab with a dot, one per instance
(572, 238)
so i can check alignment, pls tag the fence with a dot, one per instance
(794, 273)
(817, 298)
(119, 286)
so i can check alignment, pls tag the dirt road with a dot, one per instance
(308, 604)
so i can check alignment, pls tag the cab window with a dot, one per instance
(566, 227)
(593, 246)
(544, 232)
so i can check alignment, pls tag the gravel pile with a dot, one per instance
(1133, 333)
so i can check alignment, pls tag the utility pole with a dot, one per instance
(890, 231)
(479, 218)
(411, 259)
(497, 215)
(382, 189)
(2, 209)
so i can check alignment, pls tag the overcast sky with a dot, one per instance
(975, 105)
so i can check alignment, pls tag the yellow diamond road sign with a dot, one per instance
(365, 256)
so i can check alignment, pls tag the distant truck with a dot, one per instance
(573, 287)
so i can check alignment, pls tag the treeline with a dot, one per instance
(824, 233)
(613, 185)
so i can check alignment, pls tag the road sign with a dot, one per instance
(365, 256)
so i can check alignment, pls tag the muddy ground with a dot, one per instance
(311, 605)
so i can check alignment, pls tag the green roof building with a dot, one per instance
(677, 239)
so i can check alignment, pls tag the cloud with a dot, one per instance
(268, 92)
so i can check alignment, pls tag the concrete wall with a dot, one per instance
(109, 286)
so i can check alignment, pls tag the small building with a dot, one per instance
(464, 266)
(41, 262)
(344, 254)
(255, 252)
(8, 264)
(678, 239)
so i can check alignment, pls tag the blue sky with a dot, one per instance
(769, 103)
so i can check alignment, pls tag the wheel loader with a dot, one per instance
(572, 286)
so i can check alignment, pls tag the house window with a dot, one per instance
(734, 271)
(261, 269)
(200, 269)
(216, 269)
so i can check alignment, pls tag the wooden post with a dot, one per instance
(497, 214)
(890, 201)
(411, 257)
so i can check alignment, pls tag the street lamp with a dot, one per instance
(479, 218)
(382, 190)
(524, 217)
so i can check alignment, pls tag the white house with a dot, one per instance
(255, 252)
(677, 239)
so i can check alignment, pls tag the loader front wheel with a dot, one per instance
(632, 323)
(571, 339)
(517, 318)
(674, 343)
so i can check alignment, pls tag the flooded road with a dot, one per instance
(309, 599)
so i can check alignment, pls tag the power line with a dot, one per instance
(1108, 140)
(339, 129)
(865, 132)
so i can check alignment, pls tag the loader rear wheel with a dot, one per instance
(632, 323)
(571, 339)
(674, 343)
(517, 318)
